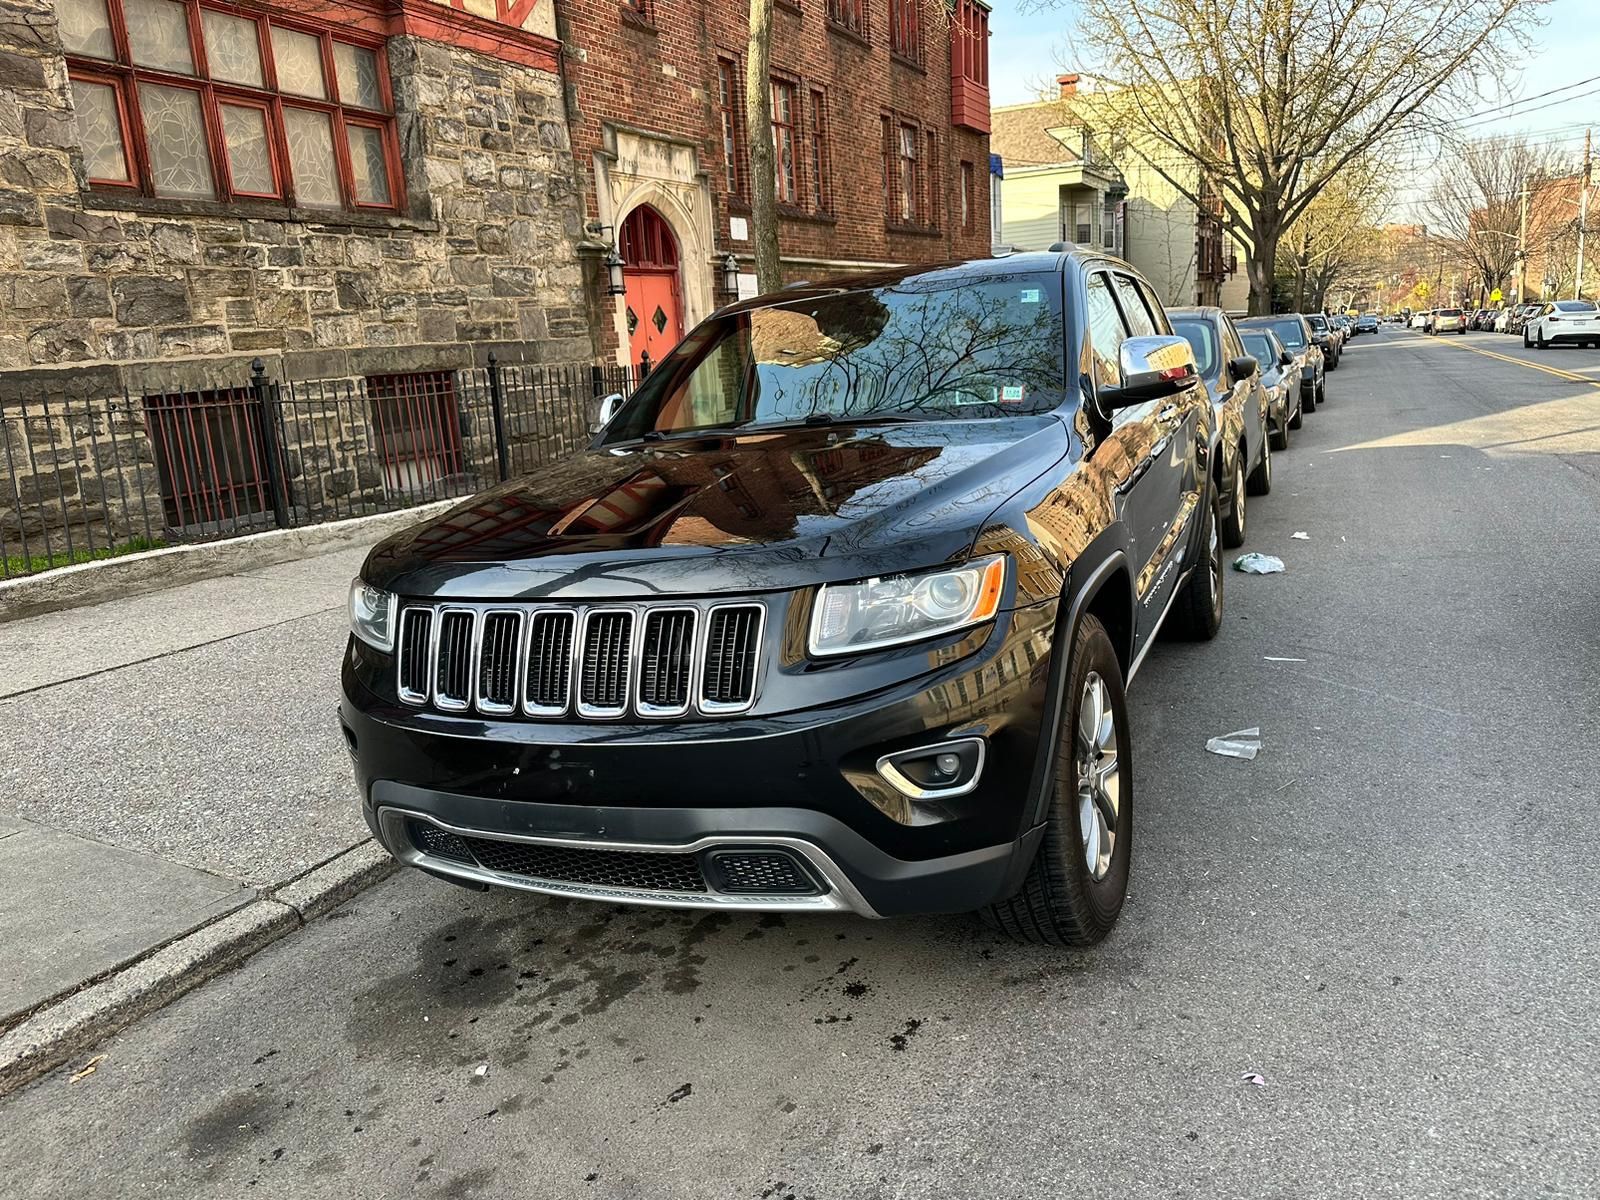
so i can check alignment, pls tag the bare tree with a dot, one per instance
(1336, 240)
(1270, 100)
(1478, 203)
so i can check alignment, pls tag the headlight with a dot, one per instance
(886, 611)
(372, 615)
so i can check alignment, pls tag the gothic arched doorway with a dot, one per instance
(653, 294)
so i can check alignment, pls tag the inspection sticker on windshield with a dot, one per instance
(1030, 295)
(1011, 394)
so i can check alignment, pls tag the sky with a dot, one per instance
(1029, 47)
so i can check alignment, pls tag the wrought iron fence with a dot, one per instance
(87, 478)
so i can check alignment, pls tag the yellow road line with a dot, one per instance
(1522, 362)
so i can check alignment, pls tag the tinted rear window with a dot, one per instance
(1449, 312)
(1575, 305)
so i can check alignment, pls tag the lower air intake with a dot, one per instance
(591, 868)
(761, 873)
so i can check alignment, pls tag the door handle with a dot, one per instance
(1167, 413)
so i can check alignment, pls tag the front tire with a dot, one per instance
(1076, 884)
(1278, 436)
(1299, 418)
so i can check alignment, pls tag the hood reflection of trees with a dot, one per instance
(938, 353)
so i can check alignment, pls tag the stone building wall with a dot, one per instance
(155, 293)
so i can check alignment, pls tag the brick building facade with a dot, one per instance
(881, 114)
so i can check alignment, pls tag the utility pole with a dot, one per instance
(1583, 215)
(1522, 248)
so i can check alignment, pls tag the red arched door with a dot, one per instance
(654, 301)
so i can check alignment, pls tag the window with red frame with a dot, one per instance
(930, 210)
(783, 114)
(180, 99)
(886, 138)
(728, 111)
(821, 167)
(966, 197)
(905, 29)
(849, 14)
(969, 42)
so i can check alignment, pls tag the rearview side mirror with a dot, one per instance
(605, 410)
(1152, 367)
(1286, 359)
(1241, 368)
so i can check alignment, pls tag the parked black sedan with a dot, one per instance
(1242, 458)
(834, 614)
(1280, 379)
(1295, 333)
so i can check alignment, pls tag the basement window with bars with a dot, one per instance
(416, 423)
(181, 100)
(210, 458)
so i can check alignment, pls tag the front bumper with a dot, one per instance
(803, 786)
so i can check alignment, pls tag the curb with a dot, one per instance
(53, 1035)
(153, 570)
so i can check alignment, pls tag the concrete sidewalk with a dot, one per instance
(171, 759)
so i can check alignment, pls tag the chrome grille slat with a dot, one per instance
(548, 686)
(453, 666)
(605, 661)
(666, 662)
(499, 662)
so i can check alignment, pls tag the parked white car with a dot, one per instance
(1563, 322)
(1502, 323)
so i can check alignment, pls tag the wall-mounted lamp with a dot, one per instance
(615, 284)
(730, 276)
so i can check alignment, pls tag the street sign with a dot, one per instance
(1495, 297)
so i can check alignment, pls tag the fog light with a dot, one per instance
(927, 772)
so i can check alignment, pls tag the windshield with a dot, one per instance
(1260, 345)
(1204, 340)
(925, 348)
(1291, 332)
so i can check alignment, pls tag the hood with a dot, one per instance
(748, 513)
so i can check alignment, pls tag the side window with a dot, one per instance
(1106, 330)
(1157, 312)
(1133, 307)
(1232, 347)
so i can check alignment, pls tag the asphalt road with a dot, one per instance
(1391, 916)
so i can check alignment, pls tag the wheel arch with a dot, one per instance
(1105, 591)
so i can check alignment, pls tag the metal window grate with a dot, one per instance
(452, 675)
(732, 640)
(607, 650)
(666, 661)
(549, 679)
(498, 662)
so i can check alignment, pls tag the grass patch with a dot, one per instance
(32, 564)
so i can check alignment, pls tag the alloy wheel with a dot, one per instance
(1099, 775)
(1214, 564)
(1238, 498)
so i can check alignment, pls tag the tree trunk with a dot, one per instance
(1261, 266)
(763, 158)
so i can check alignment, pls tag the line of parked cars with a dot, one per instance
(1542, 323)
(837, 611)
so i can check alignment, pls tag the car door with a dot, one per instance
(1247, 392)
(1163, 486)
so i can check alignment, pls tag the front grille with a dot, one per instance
(601, 662)
(733, 636)
(603, 678)
(666, 655)
(593, 868)
(761, 872)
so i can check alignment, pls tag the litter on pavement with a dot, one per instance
(1252, 1077)
(89, 1068)
(1241, 743)
(1274, 658)
(1258, 564)
(1300, 535)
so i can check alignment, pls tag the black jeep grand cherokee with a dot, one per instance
(835, 613)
